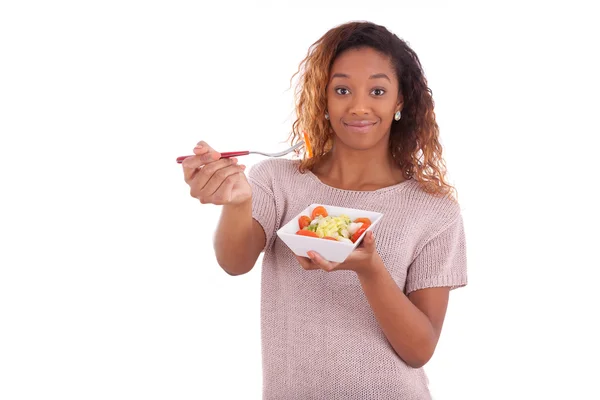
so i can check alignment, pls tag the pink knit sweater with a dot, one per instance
(320, 339)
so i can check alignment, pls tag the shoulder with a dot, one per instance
(434, 213)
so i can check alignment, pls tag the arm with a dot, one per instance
(411, 324)
(239, 239)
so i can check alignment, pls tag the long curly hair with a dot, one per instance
(413, 143)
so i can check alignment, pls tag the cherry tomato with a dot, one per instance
(303, 221)
(359, 232)
(320, 210)
(366, 221)
(306, 232)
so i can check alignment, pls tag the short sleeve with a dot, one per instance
(263, 200)
(442, 262)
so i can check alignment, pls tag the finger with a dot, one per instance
(197, 161)
(369, 241)
(321, 262)
(223, 194)
(306, 264)
(192, 165)
(205, 173)
(202, 148)
(188, 173)
(209, 186)
(203, 154)
(202, 144)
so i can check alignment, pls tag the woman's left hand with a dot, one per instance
(362, 260)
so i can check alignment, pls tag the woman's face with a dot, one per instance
(362, 98)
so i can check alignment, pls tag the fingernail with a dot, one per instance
(243, 167)
(234, 160)
(199, 146)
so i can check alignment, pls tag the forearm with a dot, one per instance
(236, 245)
(408, 330)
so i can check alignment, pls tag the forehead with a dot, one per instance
(362, 63)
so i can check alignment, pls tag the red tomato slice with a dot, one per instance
(359, 232)
(366, 221)
(303, 221)
(306, 232)
(320, 210)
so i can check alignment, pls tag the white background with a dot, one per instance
(108, 283)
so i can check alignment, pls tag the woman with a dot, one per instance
(362, 329)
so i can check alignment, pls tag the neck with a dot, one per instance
(353, 169)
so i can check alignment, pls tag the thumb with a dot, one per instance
(369, 241)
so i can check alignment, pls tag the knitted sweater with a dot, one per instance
(320, 338)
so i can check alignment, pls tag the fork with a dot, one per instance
(246, 152)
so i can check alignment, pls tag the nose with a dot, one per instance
(360, 105)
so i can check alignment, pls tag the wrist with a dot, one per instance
(237, 214)
(373, 270)
(244, 205)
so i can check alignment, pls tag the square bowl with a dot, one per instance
(334, 251)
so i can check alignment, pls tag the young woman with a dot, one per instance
(361, 329)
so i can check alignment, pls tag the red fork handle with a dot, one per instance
(223, 155)
(234, 154)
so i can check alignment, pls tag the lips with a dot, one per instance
(360, 123)
(360, 126)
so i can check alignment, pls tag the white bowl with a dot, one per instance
(330, 250)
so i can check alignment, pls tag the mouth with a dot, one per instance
(362, 126)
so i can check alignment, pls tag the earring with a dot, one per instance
(398, 115)
(326, 115)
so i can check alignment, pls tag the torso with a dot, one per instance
(320, 337)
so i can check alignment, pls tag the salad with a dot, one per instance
(341, 228)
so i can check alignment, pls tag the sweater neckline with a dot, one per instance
(397, 186)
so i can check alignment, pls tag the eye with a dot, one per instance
(342, 91)
(378, 92)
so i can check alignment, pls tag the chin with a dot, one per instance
(358, 143)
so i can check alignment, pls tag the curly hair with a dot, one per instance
(413, 143)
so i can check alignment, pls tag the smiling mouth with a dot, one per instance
(360, 127)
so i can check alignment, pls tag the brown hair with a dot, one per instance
(413, 140)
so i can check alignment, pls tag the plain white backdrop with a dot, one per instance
(108, 284)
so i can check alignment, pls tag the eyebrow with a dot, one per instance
(375, 76)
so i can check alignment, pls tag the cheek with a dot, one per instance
(335, 107)
(386, 111)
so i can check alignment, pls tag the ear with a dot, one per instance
(400, 102)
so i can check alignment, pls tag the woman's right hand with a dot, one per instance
(213, 180)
